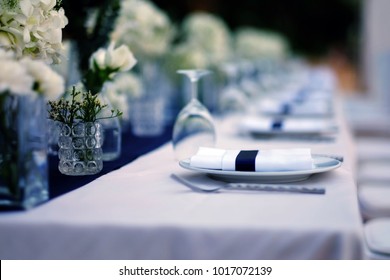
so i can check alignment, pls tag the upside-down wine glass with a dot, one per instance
(194, 125)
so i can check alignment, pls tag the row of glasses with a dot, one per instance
(194, 125)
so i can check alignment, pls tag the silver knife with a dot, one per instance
(275, 188)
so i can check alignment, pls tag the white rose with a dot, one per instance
(120, 58)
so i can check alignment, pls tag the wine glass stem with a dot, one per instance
(194, 89)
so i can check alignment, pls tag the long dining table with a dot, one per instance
(140, 212)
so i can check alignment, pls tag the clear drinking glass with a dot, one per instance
(194, 125)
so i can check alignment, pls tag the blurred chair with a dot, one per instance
(377, 239)
(374, 200)
(373, 171)
(368, 113)
(373, 178)
(373, 148)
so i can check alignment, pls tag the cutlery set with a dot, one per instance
(199, 185)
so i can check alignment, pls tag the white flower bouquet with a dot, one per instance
(253, 43)
(121, 90)
(105, 63)
(32, 28)
(27, 77)
(24, 85)
(210, 33)
(143, 27)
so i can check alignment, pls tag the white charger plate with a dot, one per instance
(321, 164)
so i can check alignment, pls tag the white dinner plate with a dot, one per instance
(321, 164)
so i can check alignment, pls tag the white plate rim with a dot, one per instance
(334, 163)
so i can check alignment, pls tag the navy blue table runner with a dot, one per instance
(132, 148)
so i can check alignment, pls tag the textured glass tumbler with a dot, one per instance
(80, 148)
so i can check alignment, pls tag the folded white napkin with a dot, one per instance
(282, 107)
(297, 125)
(257, 160)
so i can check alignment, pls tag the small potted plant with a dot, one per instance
(81, 134)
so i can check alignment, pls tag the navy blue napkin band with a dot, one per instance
(245, 161)
(286, 109)
(277, 125)
(300, 97)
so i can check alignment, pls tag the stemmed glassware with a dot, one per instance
(194, 125)
(233, 98)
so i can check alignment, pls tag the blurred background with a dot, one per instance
(350, 36)
(322, 31)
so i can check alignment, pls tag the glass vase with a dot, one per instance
(147, 111)
(80, 148)
(23, 151)
(111, 130)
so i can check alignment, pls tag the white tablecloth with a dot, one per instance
(140, 212)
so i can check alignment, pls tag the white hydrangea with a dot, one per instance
(252, 43)
(34, 28)
(143, 27)
(27, 76)
(210, 33)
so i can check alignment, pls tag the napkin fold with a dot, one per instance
(253, 160)
(300, 125)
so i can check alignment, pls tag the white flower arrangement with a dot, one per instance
(13, 75)
(105, 63)
(143, 27)
(33, 28)
(114, 59)
(125, 87)
(252, 43)
(187, 56)
(47, 82)
(27, 76)
(210, 33)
